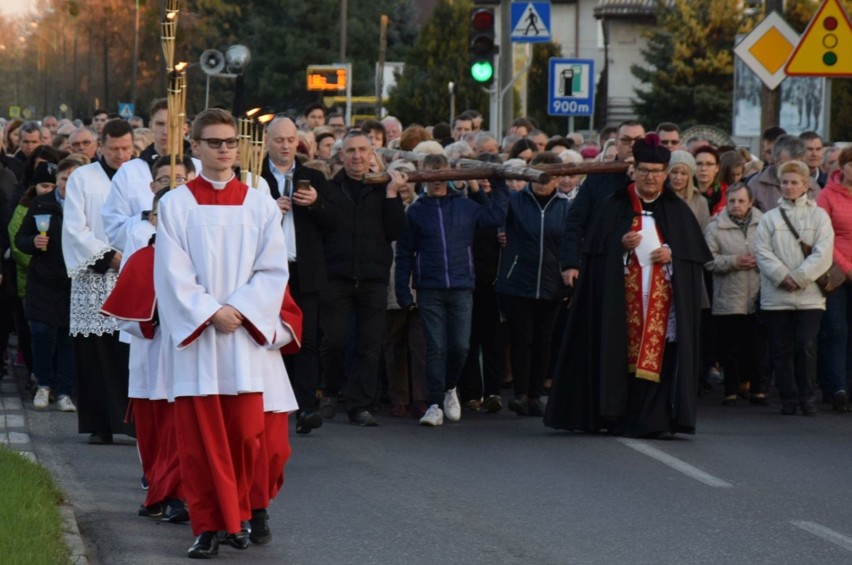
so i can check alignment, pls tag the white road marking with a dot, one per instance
(675, 463)
(827, 534)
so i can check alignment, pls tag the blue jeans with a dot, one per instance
(835, 342)
(53, 357)
(446, 317)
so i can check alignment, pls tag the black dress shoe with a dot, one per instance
(307, 421)
(519, 405)
(155, 511)
(99, 438)
(175, 511)
(205, 547)
(363, 418)
(259, 533)
(239, 540)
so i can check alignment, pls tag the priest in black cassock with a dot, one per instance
(629, 361)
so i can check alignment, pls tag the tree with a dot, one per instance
(287, 36)
(439, 57)
(689, 75)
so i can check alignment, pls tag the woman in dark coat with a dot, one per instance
(529, 284)
(48, 299)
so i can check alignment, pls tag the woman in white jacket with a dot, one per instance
(791, 301)
(740, 338)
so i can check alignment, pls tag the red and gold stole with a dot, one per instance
(646, 331)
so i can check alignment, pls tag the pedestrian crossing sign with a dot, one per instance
(126, 110)
(826, 46)
(530, 22)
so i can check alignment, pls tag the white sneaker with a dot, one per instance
(434, 416)
(42, 398)
(452, 408)
(65, 404)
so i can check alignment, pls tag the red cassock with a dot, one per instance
(134, 299)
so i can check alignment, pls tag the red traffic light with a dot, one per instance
(482, 19)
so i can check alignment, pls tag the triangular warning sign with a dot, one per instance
(825, 49)
(530, 24)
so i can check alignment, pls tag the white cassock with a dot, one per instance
(129, 196)
(84, 243)
(148, 360)
(209, 255)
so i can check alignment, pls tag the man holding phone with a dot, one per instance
(299, 192)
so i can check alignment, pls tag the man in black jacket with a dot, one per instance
(306, 218)
(594, 190)
(358, 256)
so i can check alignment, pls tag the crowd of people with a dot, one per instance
(139, 283)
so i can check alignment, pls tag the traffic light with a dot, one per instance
(482, 46)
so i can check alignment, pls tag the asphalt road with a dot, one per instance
(751, 487)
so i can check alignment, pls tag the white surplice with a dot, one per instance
(208, 256)
(84, 243)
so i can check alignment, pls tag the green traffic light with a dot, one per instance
(482, 71)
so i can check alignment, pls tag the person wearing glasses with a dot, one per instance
(634, 374)
(592, 193)
(130, 195)
(92, 265)
(82, 141)
(220, 282)
(669, 135)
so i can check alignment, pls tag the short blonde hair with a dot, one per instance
(797, 167)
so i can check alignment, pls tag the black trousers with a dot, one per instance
(741, 343)
(488, 339)
(793, 348)
(102, 366)
(368, 301)
(303, 368)
(531, 324)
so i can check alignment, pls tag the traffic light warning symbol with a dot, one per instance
(826, 46)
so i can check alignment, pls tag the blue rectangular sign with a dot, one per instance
(571, 87)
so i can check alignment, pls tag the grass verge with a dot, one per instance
(29, 513)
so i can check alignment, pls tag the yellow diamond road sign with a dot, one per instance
(766, 49)
(826, 46)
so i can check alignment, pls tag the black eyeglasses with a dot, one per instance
(216, 143)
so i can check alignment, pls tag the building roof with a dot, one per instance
(625, 8)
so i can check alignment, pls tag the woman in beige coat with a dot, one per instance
(740, 338)
(791, 301)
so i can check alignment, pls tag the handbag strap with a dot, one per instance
(790, 224)
(806, 249)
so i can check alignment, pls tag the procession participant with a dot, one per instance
(306, 218)
(48, 296)
(358, 258)
(791, 302)
(92, 265)
(440, 227)
(130, 194)
(634, 374)
(594, 190)
(315, 115)
(220, 281)
(82, 140)
(133, 302)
